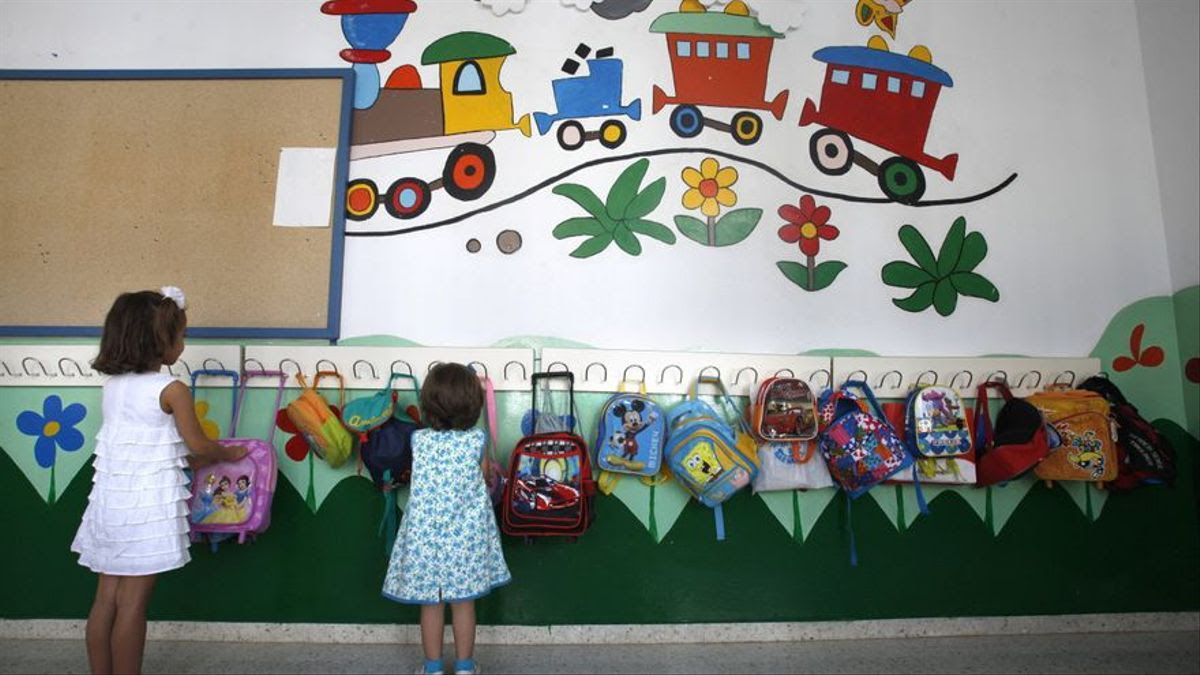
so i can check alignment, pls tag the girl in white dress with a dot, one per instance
(135, 524)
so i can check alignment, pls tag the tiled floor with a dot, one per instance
(1176, 652)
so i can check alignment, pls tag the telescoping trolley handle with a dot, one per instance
(281, 376)
(233, 375)
(555, 375)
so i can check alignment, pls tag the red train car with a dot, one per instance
(718, 59)
(884, 99)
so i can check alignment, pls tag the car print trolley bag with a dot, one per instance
(708, 456)
(550, 488)
(234, 498)
(1082, 419)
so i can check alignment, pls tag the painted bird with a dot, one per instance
(885, 13)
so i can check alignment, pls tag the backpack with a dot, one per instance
(1144, 456)
(936, 432)
(493, 472)
(1088, 451)
(861, 448)
(234, 498)
(1018, 442)
(364, 414)
(318, 423)
(783, 416)
(550, 488)
(708, 457)
(387, 452)
(630, 434)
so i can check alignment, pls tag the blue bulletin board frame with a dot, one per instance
(338, 217)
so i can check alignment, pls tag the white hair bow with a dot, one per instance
(175, 294)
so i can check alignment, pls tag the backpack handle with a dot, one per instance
(554, 375)
(844, 390)
(983, 417)
(317, 380)
(724, 397)
(394, 376)
(283, 378)
(220, 372)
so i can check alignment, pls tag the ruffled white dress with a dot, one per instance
(136, 518)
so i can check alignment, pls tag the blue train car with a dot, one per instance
(596, 94)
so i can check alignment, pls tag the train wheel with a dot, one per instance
(362, 199)
(570, 135)
(407, 198)
(469, 171)
(901, 180)
(612, 133)
(686, 121)
(831, 151)
(746, 128)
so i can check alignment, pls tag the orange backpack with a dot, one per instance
(318, 423)
(1088, 451)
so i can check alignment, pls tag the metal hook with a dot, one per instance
(332, 366)
(851, 375)
(25, 367)
(970, 379)
(992, 377)
(1021, 382)
(789, 371)
(662, 375)
(935, 376)
(77, 367)
(482, 366)
(354, 369)
(429, 368)
(550, 368)
(392, 368)
(589, 368)
(705, 369)
(1069, 384)
(245, 364)
(294, 362)
(524, 373)
(220, 366)
(899, 379)
(828, 376)
(737, 378)
(8, 370)
(625, 373)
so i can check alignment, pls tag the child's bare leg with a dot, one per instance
(129, 628)
(463, 619)
(98, 633)
(433, 622)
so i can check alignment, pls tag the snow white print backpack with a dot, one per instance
(708, 456)
(234, 498)
(936, 431)
(862, 449)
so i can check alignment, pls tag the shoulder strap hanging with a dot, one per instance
(220, 372)
(335, 375)
(983, 418)
(865, 388)
(246, 376)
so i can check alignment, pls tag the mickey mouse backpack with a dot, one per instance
(630, 434)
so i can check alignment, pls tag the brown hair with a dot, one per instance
(138, 331)
(451, 397)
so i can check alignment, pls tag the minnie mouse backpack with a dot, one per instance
(234, 498)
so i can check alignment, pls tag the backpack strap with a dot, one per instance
(850, 531)
(983, 418)
(551, 375)
(221, 372)
(719, 517)
(246, 376)
(865, 388)
(333, 374)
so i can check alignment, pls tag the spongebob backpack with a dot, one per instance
(708, 456)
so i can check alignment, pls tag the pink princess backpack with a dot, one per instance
(234, 498)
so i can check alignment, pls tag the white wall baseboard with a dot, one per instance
(72, 629)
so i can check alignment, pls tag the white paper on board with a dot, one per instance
(304, 188)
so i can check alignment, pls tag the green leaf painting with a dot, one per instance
(937, 282)
(620, 218)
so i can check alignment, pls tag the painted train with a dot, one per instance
(718, 59)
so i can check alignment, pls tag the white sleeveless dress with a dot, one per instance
(136, 518)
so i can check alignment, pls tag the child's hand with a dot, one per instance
(234, 452)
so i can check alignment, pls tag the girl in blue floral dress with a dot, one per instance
(448, 547)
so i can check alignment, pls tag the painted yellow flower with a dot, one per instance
(209, 427)
(708, 187)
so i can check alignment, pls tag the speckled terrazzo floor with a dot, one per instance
(1175, 652)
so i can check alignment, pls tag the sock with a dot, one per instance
(433, 666)
(464, 664)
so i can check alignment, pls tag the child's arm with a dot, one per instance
(176, 400)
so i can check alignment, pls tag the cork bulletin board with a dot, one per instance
(126, 180)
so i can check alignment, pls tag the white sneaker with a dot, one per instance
(473, 671)
(421, 671)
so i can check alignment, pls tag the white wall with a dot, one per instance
(1170, 36)
(1052, 91)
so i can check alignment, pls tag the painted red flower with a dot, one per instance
(296, 447)
(1192, 370)
(807, 225)
(1152, 357)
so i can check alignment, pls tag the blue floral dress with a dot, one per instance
(448, 547)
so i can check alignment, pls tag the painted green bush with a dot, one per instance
(620, 218)
(938, 282)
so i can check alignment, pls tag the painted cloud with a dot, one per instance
(609, 9)
(502, 7)
(776, 14)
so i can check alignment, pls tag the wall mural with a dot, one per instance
(55, 429)
(938, 282)
(806, 226)
(619, 218)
